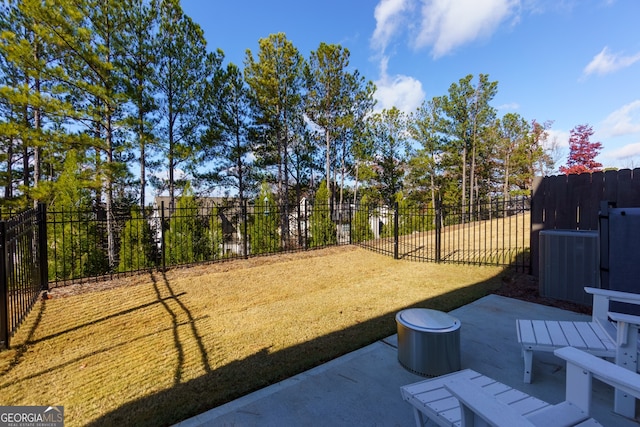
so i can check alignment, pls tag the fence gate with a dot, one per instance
(23, 268)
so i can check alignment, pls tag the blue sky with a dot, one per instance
(570, 61)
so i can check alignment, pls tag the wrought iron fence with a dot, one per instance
(23, 268)
(492, 233)
(39, 249)
(193, 231)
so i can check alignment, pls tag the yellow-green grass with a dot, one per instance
(163, 347)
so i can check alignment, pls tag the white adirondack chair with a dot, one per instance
(608, 334)
(480, 407)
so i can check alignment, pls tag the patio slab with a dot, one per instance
(362, 388)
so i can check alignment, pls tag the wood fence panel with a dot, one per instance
(625, 193)
(591, 207)
(560, 199)
(610, 189)
(572, 202)
(537, 219)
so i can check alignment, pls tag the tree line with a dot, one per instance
(102, 101)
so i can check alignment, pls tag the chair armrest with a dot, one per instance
(602, 370)
(625, 318)
(620, 296)
(474, 400)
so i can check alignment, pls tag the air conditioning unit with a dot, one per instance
(569, 261)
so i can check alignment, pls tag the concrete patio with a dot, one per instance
(362, 388)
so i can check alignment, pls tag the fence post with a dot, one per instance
(162, 245)
(438, 230)
(395, 231)
(350, 225)
(4, 297)
(43, 248)
(245, 228)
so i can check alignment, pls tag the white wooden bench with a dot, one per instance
(437, 399)
(608, 334)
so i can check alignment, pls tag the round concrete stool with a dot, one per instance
(428, 341)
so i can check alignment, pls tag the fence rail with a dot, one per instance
(23, 268)
(39, 249)
(494, 233)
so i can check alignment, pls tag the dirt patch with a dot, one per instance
(525, 287)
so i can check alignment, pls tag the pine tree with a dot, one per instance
(187, 237)
(136, 251)
(322, 228)
(263, 228)
(392, 151)
(184, 71)
(137, 63)
(582, 152)
(226, 145)
(275, 80)
(361, 231)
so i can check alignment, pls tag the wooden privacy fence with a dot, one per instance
(572, 202)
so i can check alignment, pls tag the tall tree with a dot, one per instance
(469, 113)
(226, 145)
(31, 99)
(337, 101)
(582, 152)
(275, 82)
(392, 152)
(424, 167)
(184, 71)
(137, 62)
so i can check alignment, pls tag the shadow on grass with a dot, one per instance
(221, 385)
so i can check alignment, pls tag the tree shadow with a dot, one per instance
(238, 378)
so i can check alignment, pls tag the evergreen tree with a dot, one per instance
(322, 228)
(136, 250)
(425, 170)
(74, 234)
(468, 113)
(361, 225)
(263, 228)
(392, 152)
(275, 80)
(226, 144)
(188, 240)
(185, 69)
(137, 63)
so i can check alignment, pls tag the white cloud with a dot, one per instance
(403, 92)
(448, 24)
(624, 153)
(606, 62)
(623, 121)
(559, 137)
(389, 17)
(509, 106)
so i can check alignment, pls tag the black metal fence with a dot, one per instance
(39, 249)
(191, 232)
(492, 233)
(495, 233)
(23, 268)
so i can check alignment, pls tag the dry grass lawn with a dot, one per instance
(162, 347)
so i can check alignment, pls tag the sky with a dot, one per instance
(571, 62)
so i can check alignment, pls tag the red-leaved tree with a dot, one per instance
(582, 152)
